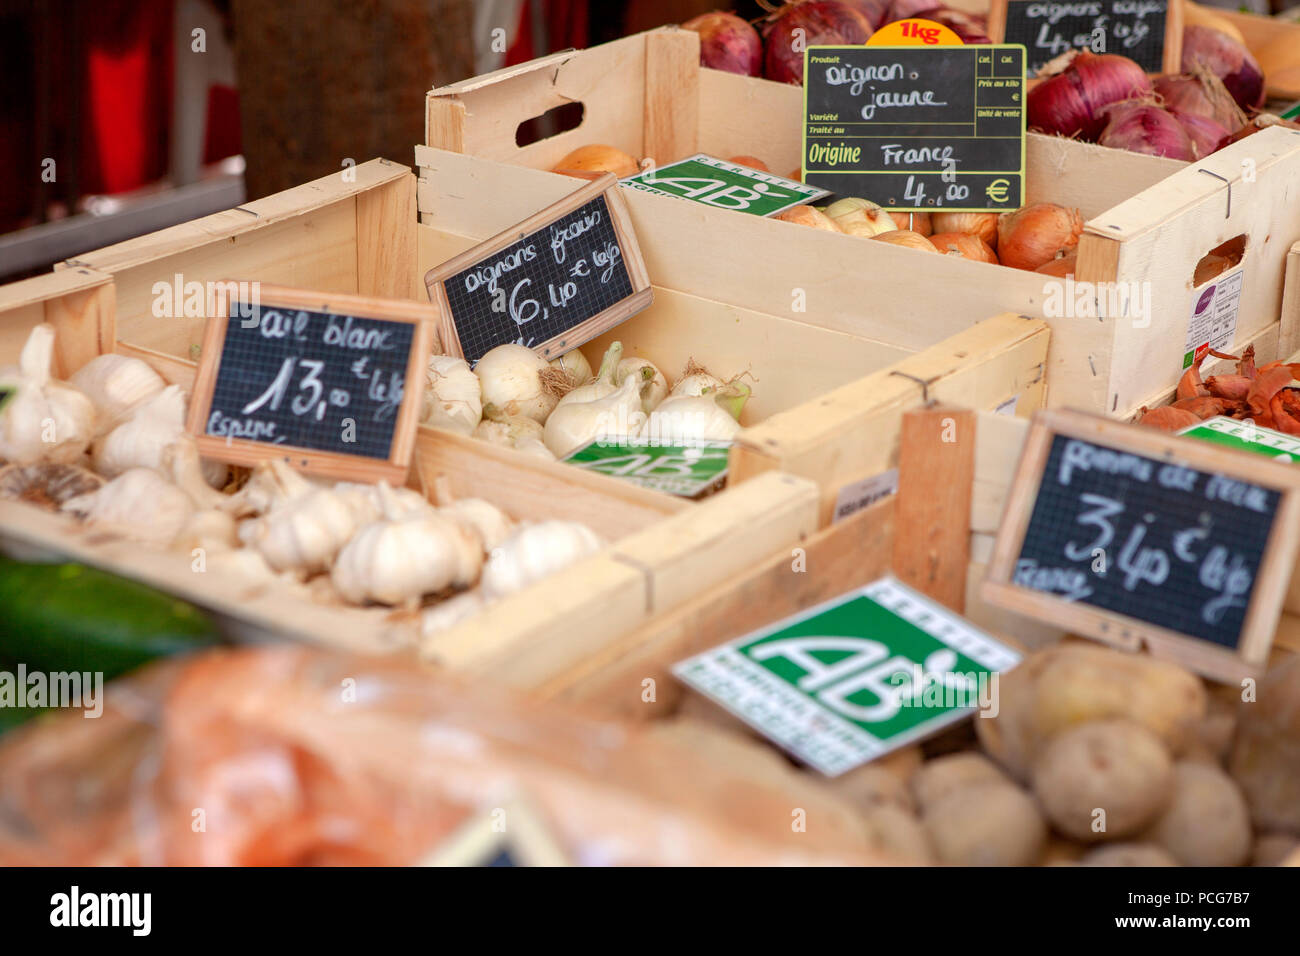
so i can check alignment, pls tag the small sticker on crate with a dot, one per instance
(1213, 324)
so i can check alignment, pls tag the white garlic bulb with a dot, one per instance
(535, 552)
(140, 441)
(510, 378)
(453, 399)
(208, 529)
(373, 502)
(46, 420)
(303, 533)
(396, 561)
(140, 504)
(118, 385)
(447, 614)
(486, 520)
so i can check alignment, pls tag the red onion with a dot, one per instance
(969, 27)
(1228, 60)
(727, 43)
(1206, 134)
(873, 11)
(1143, 128)
(1072, 101)
(823, 22)
(909, 9)
(1201, 95)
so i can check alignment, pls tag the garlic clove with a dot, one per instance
(487, 521)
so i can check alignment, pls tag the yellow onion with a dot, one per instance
(1034, 235)
(1061, 266)
(919, 222)
(905, 237)
(981, 224)
(797, 175)
(860, 217)
(591, 162)
(808, 216)
(968, 247)
(1196, 15)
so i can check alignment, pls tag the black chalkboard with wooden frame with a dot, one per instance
(558, 279)
(1137, 538)
(330, 383)
(1149, 32)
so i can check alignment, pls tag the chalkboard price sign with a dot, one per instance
(909, 127)
(1134, 537)
(1149, 32)
(318, 379)
(551, 283)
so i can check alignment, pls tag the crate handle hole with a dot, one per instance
(1225, 256)
(557, 120)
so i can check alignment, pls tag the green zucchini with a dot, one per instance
(69, 617)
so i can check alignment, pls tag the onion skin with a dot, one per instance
(971, 29)
(981, 224)
(1201, 95)
(1227, 59)
(1194, 13)
(824, 22)
(753, 162)
(808, 216)
(918, 222)
(1152, 130)
(1061, 267)
(1205, 133)
(907, 238)
(873, 11)
(968, 247)
(1072, 102)
(1167, 418)
(591, 162)
(1037, 234)
(908, 9)
(727, 43)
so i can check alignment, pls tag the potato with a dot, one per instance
(1071, 684)
(1265, 760)
(1211, 737)
(939, 777)
(1207, 823)
(1271, 849)
(872, 786)
(986, 824)
(1103, 780)
(898, 834)
(1128, 854)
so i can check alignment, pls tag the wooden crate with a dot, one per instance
(653, 537)
(645, 94)
(663, 550)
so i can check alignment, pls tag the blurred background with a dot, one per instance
(125, 116)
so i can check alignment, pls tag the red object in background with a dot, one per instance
(222, 137)
(566, 25)
(128, 93)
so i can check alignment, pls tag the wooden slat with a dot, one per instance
(670, 562)
(1289, 334)
(850, 554)
(386, 223)
(852, 432)
(936, 471)
(79, 303)
(672, 94)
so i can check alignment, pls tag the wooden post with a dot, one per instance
(936, 469)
